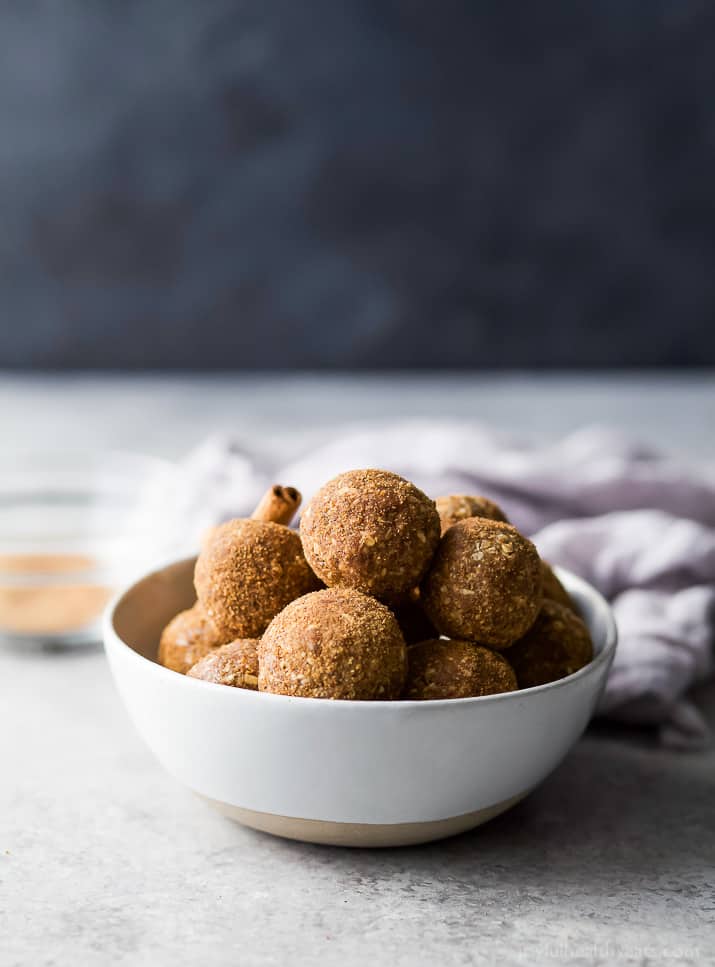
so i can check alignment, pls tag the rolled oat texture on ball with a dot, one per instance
(247, 571)
(552, 588)
(370, 530)
(456, 507)
(187, 638)
(444, 668)
(557, 644)
(336, 643)
(235, 664)
(484, 583)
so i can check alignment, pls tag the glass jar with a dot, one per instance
(73, 528)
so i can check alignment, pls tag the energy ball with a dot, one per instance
(336, 643)
(455, 669)
(233, 664)
(557, 644)
(484, 583)
(456, 507)
(370, 530)
(552, 588)
(187, 638)
(247, 571)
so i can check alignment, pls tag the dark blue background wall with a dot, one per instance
(357, 183)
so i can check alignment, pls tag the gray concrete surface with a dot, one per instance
(105, 859)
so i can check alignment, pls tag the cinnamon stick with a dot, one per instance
(278, 505)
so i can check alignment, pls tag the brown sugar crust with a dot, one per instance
(247, 571)
(484, 583)
(557, 644)
(336, 643)
(456, 507)
(552, 588)
(235, 664)
(187, 638)
(455, 669)
(370, 530)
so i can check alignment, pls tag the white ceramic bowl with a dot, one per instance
(348, 773)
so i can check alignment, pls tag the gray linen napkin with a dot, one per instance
(637, 524)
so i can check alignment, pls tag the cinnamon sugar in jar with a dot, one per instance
(49, 594)
(73, 528)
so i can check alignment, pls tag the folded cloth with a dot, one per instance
(637, 524)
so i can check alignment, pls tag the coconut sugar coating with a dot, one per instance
(441, 668)
(336, 643)
(557, 644)
(247, 571)
(370, 530)
(456, 507)
(552, 588)
(235, 664)
(187, 638)
(484, 583)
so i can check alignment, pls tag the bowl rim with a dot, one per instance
(112, 639)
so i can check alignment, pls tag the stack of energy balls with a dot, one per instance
(384, 594)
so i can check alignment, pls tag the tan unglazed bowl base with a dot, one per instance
(360, 834)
